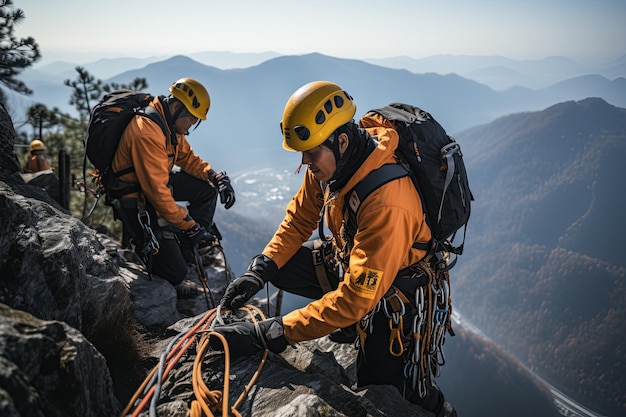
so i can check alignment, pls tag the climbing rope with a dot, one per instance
(207, 402)
(202, 275)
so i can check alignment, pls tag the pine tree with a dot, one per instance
(15, 54)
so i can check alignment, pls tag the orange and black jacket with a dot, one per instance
(144, 147)
(36, 163)
(389, 221)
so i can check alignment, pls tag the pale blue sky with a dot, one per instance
(583, 30)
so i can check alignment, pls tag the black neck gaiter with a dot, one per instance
(360, 146)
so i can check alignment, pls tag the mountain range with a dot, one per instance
(497, 72)
(247, 103)
(542, 274)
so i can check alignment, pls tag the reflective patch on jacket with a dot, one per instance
(364, 281)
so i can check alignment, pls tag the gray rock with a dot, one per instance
(47, 368)
(8, 161)
(303, 381)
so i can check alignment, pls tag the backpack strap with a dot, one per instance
(152, 114)
(376, 179)
(371, 182)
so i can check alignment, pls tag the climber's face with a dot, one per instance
(321, 162)
(321, 159)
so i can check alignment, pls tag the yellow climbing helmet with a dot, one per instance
(193, 95)
(37, 145)
(313, 112)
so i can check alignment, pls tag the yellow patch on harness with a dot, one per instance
(364, 281)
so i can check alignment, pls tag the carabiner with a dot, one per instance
(394, 338)
(386, 307)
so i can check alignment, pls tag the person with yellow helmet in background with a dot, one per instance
(144, 172)
(348, 278)
(39, 173)
(37, 161)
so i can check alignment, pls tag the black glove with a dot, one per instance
(261, 270)
(227, 194)
(241, 290)
(245, 338)
(197, 236)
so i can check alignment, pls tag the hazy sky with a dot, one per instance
(520, 29)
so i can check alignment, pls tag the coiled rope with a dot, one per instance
(207, 402)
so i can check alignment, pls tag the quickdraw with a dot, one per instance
(151, 244)
(393, 307)
(422, 346)
(432, 319)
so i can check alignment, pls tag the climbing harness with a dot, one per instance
(207, 401)
(150, 243)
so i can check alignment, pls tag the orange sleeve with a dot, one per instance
(144, 146)
(189, 162)
(389, 220)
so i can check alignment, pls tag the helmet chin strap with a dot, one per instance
(169, 99)
(196, 125)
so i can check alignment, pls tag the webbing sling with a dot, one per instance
(318, 262)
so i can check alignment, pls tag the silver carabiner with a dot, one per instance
(421, 387)
(419, 300)
(395, 315)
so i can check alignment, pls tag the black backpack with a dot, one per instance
(435, 163)
(107, 122)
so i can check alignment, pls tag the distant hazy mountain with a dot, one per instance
(544, 273)
(497, 72)
(110, 65)
(229, 60)
(501, 73)
(241, 130)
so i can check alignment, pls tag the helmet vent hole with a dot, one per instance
(302, 132)
(328, 106)
(338, 101)
(320, 117)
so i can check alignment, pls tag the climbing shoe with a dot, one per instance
(344, 335)
(209, 255)
(187, 289)
(215, 232)
(210, 251)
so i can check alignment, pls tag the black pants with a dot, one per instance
(376, 366)
(170, 263)
(298, 275)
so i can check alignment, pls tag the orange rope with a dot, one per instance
(207, 401)
(186, 338)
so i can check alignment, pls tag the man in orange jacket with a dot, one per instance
(318, 122)
(143, 171)
(37, 161)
